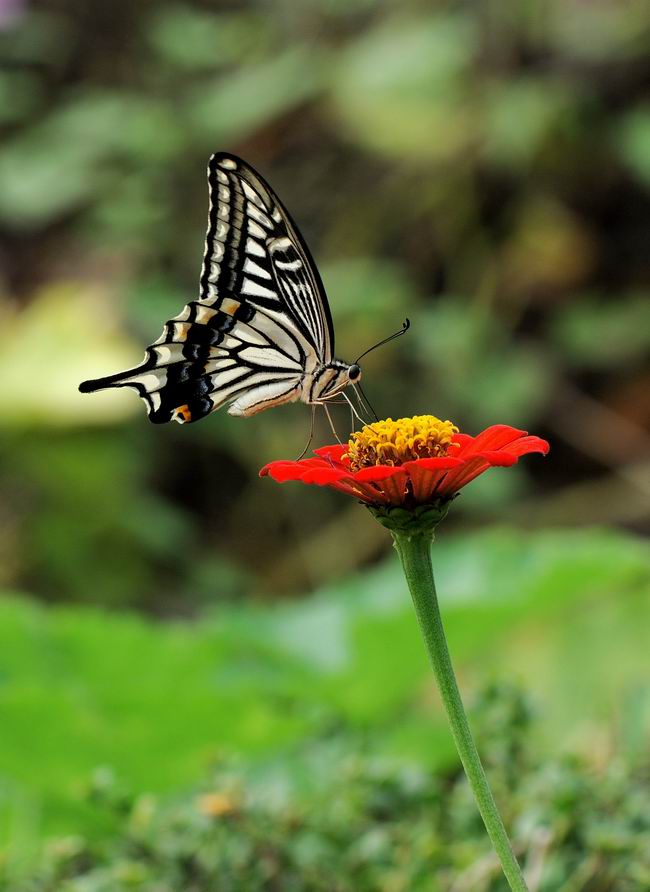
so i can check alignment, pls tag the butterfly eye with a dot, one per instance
(354, 372)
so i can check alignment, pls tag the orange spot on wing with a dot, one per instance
(204, 314)
(230, 306)
(182, 414)
(180, 330)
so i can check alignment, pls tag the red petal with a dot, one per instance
(462, 440)
(500, 458)
(283, 470)
(455, 480)
(394, 487)
(334, 453)
(433, 464)
(528, 444)
(370, 492)
(323, 476)
(474, 466)
(426, 473)
(495, 437)
(376, 472)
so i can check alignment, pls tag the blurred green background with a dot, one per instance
(483, 169)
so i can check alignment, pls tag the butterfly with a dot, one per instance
(260, 333)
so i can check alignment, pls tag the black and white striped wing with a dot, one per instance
(261, 321)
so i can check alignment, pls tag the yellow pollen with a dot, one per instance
(395, 442)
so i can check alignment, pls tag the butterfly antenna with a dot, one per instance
(397, 334)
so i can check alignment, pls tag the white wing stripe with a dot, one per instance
(259, 215)
(267, 356)
(255, 229)
(283, 336)
(291, 264)
(255, 269)
(252, 195)
(254, 247)
(264, 397)
(226, 375)
(256, 290)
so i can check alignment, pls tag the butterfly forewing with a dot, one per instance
(253, 249)
(261, 320)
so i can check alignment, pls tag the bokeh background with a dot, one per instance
(483, 169)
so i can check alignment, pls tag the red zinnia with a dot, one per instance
(408, 462)
(407, 472)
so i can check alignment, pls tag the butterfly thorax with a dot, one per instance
(328, 379)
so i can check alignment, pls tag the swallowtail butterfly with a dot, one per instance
(260, 333)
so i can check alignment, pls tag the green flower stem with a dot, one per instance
(414, 550)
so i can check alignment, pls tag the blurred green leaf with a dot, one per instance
(397, 87)
(235, 105)
(105, 121)
(632, 134)
(82, 504)
(80, 324)
(40, 180)
(549, 248)
(599, 32)
(150, 301)
(20, 95)
(57, 166)
(369, 298)
(475, 371)
(39, 37)
(195, 39)
(522, 116)
(134, 211)
(567, 610)
(600, 334)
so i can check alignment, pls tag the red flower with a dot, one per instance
(409, 462)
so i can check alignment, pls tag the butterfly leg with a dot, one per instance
(311, 433)
(363, 400)
(329, 418)
(354, 412)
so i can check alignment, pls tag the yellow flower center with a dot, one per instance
(395, 442)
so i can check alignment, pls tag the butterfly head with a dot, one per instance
(332, 378)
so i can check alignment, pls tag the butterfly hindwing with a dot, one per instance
(261, 319)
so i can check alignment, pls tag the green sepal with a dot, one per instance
(417, 521)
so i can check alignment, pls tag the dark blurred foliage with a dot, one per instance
(345, 820)
(482, 168)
